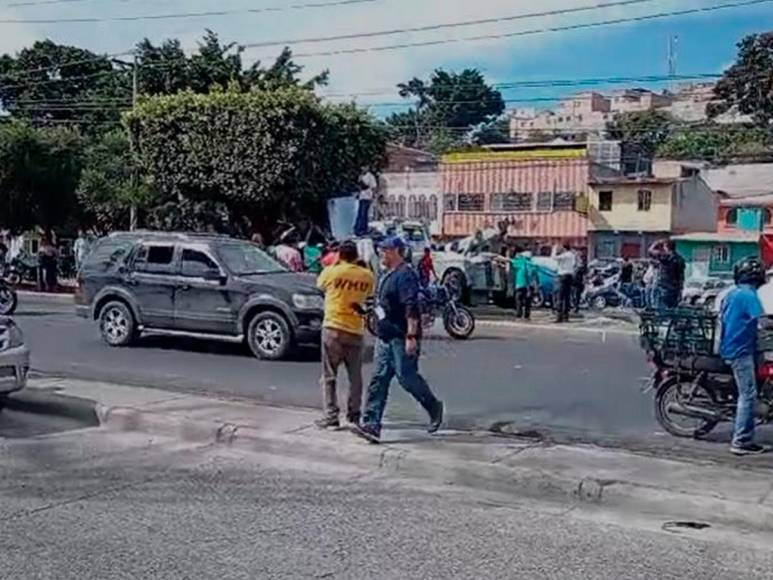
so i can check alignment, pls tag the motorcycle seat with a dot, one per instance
(702, 363)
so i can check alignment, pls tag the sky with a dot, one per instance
(706, 41)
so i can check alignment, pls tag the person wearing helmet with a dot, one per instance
(740, 313)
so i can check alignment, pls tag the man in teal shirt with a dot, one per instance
(524, 274)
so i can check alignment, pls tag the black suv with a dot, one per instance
(203, 286)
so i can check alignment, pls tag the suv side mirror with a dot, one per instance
(216, 275)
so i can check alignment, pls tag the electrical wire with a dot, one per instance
(536, 31)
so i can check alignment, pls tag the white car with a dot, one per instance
(14, 359)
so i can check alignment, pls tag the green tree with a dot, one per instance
(39, 171)
(446, 109)
(748, 85)
(266, 155)
(111, 183)
(648, 129)
(56, 84)
(713, 142)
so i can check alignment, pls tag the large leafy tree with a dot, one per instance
(39, 172)
(446, 108)
(55, 84)
(111, 183)
(747, 85)
(268, 155)
(647, 129)
(716, 142)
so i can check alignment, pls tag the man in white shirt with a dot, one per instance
(368, 186)
(566, 260)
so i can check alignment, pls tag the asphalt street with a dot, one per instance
(98, 505)
(579, 381)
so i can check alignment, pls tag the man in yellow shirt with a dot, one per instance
(346, 286)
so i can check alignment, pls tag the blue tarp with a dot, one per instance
(342, 212)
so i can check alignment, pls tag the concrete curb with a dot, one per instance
(517, 472)
(46, 403)
(557, 328)
(47, 297)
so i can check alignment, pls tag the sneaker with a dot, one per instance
(436, 418)
(748, 449)
(328, 423)
(371, 433)
(353, 419)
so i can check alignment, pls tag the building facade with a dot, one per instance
(535, 194)
(626, 215)
(713, 254)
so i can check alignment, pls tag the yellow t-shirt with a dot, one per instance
(344, 284)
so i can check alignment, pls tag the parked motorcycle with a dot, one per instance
(694, 388)
(8, 299)
(434, 301)
(23, 268)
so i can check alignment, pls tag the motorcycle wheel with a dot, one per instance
(673, 390)
(8, 300)
(14, 278)
(459, 324)
(599, 302)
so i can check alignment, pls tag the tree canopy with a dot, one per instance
(648, 129)
(268, 155)
(446, 109)
(747, 85)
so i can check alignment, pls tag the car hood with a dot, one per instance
(288, 281)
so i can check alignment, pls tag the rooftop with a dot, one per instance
(761, 200)
(719, 237)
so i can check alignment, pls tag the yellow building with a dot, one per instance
(627, 214)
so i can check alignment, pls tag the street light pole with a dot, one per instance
(133, 208)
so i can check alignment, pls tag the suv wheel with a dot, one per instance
(116, 324)
(269, 336)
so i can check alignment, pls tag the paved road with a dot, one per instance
(97, 505)
(540, 377)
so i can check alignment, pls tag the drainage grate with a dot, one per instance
(676, 527)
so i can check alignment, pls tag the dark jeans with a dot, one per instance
(667, 297)
(745, 375)
(565, 284)
(361, 223)
(577, 291)
(523, 300)
(391, 361)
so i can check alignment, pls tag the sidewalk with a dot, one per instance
(577, 476)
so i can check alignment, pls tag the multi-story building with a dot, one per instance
(628, 214)
(535, 193)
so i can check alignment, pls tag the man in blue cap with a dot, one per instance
(398, 345)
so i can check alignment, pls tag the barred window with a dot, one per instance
(433, 207)
(512, 201)
(545, 201)
(400, 211)
(413, 207)
(564, 201)
(449, 202)
(470, 202)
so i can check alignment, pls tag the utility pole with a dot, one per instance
(673, 43)
(134, 177)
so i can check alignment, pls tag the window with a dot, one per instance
(449, 202)
(433, 207)
(400, 209)
(512, 201)
(197, 264)
(766, 215)
(545, 201)
(107, 254)
(154, 259)
(731, 218)
(721, 254)
(470, 202)
(645, 200)
(413, 208)
(242, 259)
(605, 201)
(563, 201)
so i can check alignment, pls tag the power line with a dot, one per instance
(567, 28)
(181, 15)
(444, 26)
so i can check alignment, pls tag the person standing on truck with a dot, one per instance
(741, 312)
(346, 286)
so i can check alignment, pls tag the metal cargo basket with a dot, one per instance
(678, 331)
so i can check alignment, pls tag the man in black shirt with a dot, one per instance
(398, 345)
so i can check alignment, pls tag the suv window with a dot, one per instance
(197, 264)
(107, 253)
(154, 259)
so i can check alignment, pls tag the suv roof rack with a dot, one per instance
(170, 235)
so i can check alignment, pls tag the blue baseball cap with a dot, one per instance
(392, 243)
